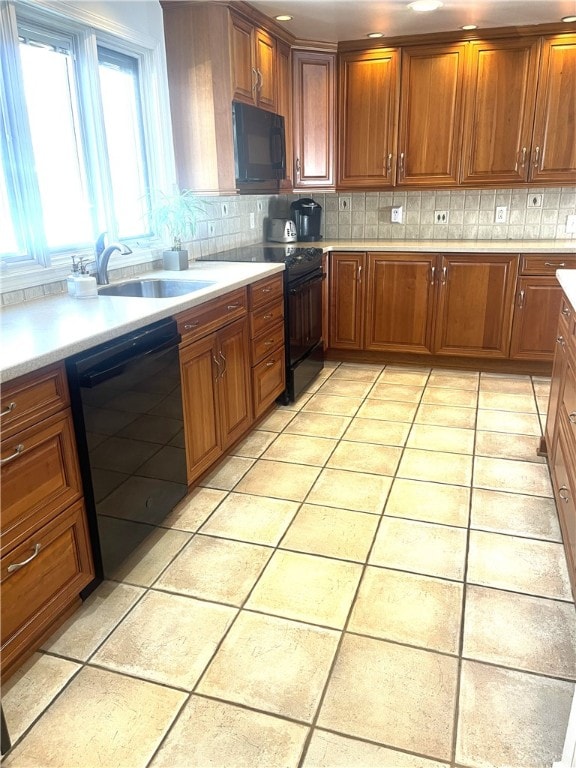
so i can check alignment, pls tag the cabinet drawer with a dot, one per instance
(28, 399)
(40, 480)
(538, 264)
(267, 342)
(212, 315)
(266, 290)
(34, 595)
(263, 319)
(268, 381)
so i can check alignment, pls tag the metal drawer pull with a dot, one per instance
(8, 410)
(191, 326)
(230, 307)
(269, 343)
(17, 566)
(270, 363)
(563, 493)
(269, 316)
(551, 264)
(266, 290)
(17, 451)
(572, 417)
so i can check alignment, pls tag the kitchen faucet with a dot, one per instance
(103, 254)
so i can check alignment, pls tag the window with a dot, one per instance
(74, 136)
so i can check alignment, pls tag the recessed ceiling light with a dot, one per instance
(568, 18)
(283, 17)
(469, 26)
(423, 6)
(375, 34)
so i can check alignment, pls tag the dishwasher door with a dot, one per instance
(127, 408)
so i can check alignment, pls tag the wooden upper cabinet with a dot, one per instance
(314, 84)
(475, 303)
(284, 106)
(253, 58)
(499, 110)
(554, 145)
(368, 109)
(400, 301)
(429, 143)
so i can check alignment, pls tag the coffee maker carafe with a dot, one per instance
(307, 215)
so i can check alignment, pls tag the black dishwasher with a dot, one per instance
(127, 409)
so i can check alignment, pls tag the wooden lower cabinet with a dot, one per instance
(474, 311)
(46, 559)
(535, 318)
(561, 432)
(457, 305)
(400, 302)
(216, 394)
(347, 300)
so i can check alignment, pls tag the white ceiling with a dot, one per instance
(335, 20)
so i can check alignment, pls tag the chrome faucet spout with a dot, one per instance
(103, 257)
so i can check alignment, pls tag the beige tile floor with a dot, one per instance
(374, 577)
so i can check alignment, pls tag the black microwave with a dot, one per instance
(259, 147)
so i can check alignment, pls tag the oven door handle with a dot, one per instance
(299, 286)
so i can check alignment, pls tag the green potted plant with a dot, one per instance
(175, 216)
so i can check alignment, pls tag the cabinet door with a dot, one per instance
(554, 147)
(368, 100)
(284, 104)
(429, 143)
(314, 118)
(535, 318)
(346, 300)
(475, 303)
(400, 301)
(563, 482)
(499, 110)
(234, 393)
(244, 74)
(265, 69)
(198, 370)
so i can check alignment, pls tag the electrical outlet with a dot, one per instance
(571, 224)
(534, 201)
(344, 203)
(501, 214)
(252, 220)
(396, 215)
(440, 217)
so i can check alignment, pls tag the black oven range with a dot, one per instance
(303, 276)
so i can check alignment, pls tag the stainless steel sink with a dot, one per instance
(154, 288)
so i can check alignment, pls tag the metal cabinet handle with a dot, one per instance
(536, 162)
(223, 358)
(444, 275)
(8, 410)
(521, 299)
(523, 158)
(266, 290)
(566, 312)
(191, 326)
(260, 79)
(17, 451)
(563, 493)
(230, 307)
(389, 163)
(551, 264)
(433, 275)
(17, 566)
(298, 166)
(572, 417)
(359, 278)
(560, 340)
(270, 363)
(217, 363)
(269, 343)
(401, 165)
(268, 316)
(254, 79)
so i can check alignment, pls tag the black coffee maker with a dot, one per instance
(307, 215)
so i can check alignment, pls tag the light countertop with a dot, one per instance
(567, 279)
(44, 331)
(450, 246)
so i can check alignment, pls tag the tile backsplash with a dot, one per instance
(229, 222)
